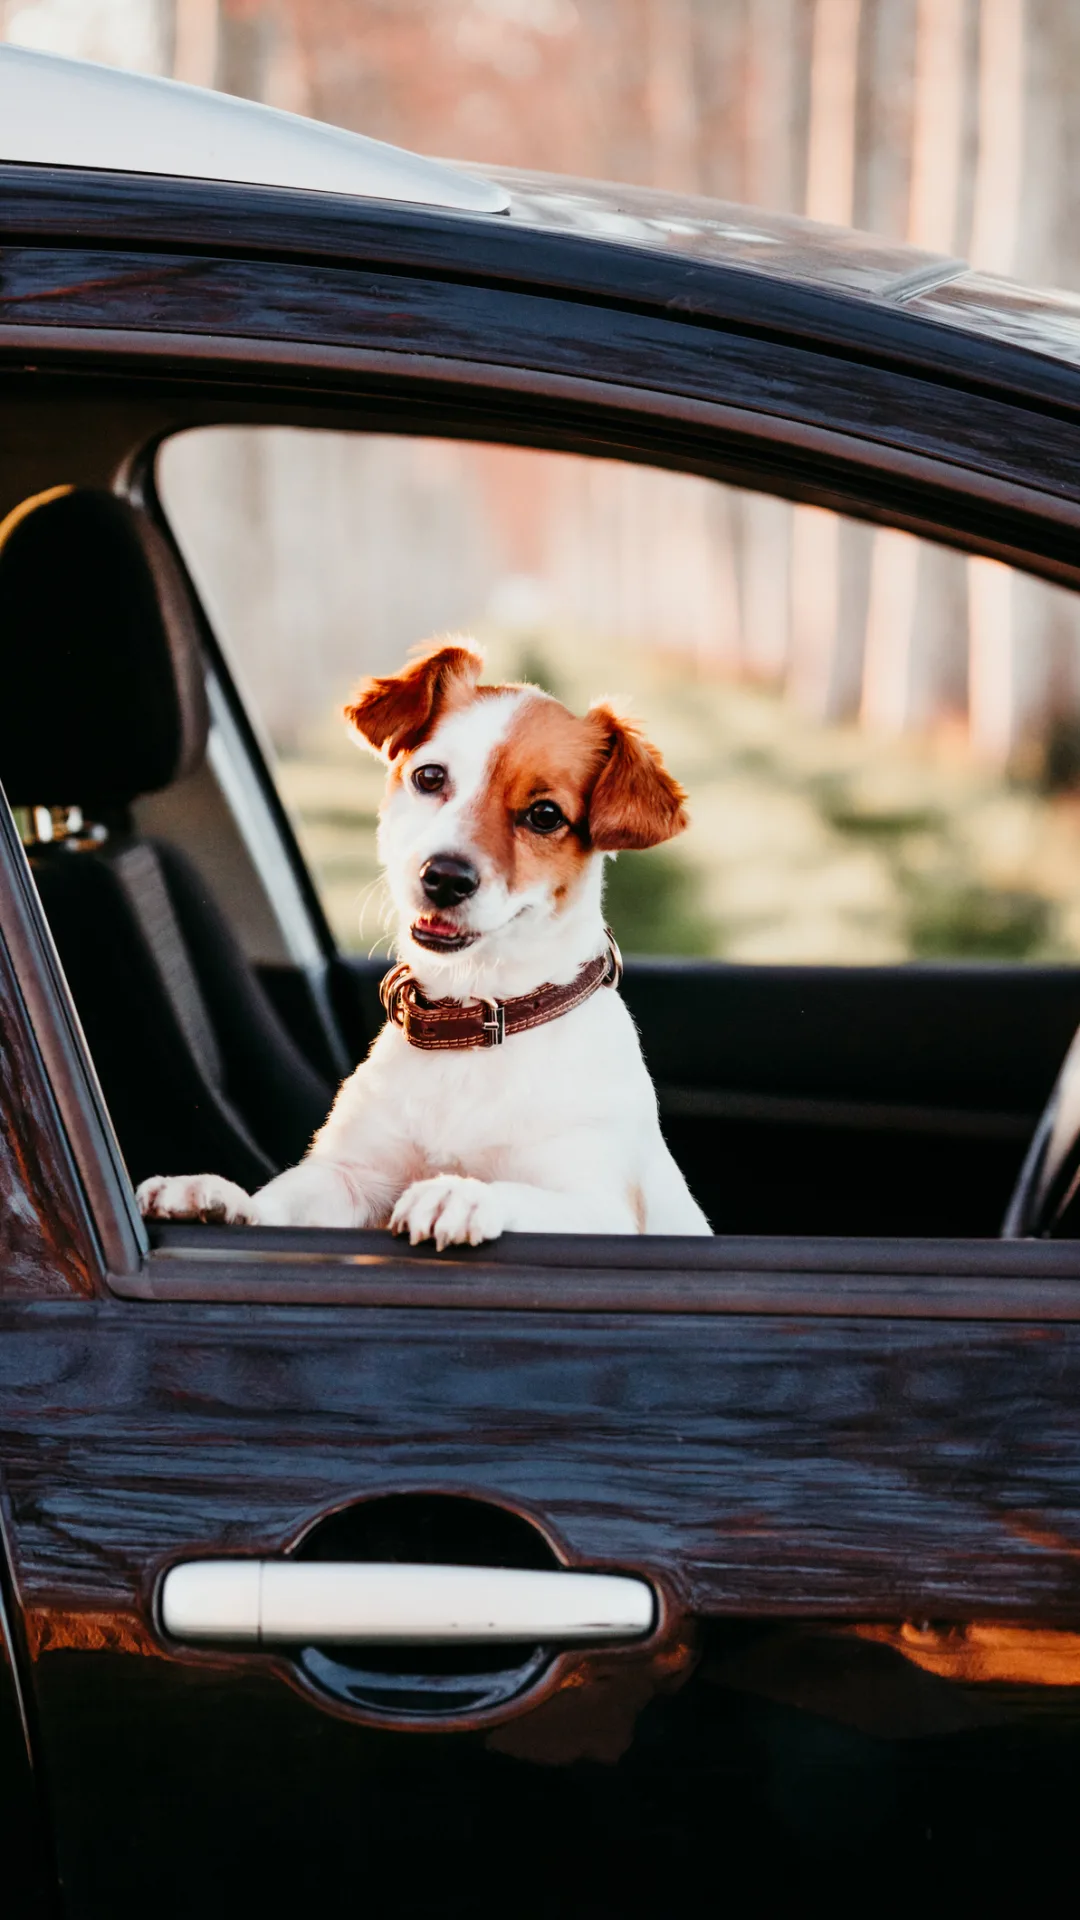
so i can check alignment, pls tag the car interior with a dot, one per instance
(862, 1100)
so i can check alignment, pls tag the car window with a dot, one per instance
(880, 737)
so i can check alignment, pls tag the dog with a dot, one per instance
(507, 1090)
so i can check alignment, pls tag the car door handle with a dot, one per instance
(259, 1602)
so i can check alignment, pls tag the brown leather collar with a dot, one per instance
(439, 1024)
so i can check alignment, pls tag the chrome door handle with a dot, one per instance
(259, 1602)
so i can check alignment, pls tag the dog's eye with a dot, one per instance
(544, 816)
(429, 779)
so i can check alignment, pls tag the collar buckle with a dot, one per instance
(614, 974)
(392, 990)
(494, 1028)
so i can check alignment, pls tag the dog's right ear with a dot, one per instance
(394, 713)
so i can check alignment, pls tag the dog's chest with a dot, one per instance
(470, 1104)
(478, 1110)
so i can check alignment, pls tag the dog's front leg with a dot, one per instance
(323, 1193)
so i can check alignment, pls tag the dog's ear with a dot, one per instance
(396, 712)
(635, 802)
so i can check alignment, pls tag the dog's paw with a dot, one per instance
(197, 1196)
(451, 1210)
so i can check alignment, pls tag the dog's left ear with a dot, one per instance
(635, 801)
(395, 712)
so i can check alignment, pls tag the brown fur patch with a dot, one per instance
(636, 802)
(396, 712)
(637, 1207)
(608, 780)
(546, 754)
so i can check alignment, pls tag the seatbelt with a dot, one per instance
(139, 872)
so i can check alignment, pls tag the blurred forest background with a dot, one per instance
(886, 751)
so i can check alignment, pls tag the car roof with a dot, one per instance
(70, 115)
(73, 113)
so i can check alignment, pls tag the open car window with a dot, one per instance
(877, 737)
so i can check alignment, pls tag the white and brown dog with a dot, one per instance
(507, 1091)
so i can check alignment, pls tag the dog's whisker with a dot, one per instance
(375, 888)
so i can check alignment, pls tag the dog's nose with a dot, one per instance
(446, 881)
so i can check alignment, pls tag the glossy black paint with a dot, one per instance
(763, 1467)
(395, 392)
(902, 1466)
(66, 1209)
(43, 1241)
(215, 1797)
(853, 295)
(730, 370)
(332, 306)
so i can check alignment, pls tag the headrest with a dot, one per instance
(102, 695)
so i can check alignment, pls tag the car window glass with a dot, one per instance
(880, 737)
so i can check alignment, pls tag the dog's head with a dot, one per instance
(498, 802)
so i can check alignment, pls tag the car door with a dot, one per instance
(785, 1443)
(796, 1446)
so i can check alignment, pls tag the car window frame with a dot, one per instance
(408, 391)
(98, 1189)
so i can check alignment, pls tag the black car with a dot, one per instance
(833, 1454)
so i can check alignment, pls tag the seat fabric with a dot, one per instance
(197, 1069)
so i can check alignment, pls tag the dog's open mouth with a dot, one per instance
(439, 935)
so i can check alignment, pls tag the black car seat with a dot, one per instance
(103, 700)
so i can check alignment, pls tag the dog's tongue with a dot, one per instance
(434, 923)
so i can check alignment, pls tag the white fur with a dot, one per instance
(556, 1131)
